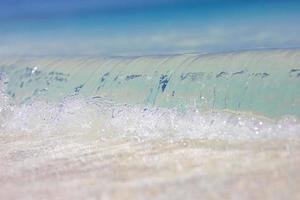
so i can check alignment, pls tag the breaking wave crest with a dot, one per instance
(96, 115)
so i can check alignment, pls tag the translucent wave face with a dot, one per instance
(77, 115)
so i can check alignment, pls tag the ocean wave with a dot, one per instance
(102, 117)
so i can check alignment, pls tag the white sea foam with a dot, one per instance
(94, 114)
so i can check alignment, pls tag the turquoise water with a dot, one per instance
(261, 82)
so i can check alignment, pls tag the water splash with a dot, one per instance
(100, 116)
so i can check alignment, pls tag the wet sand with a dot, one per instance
(60, 166)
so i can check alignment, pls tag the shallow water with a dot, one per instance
(93, 148)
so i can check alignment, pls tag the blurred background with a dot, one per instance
(142, 27)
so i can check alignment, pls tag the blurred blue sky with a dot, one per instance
(139, 27)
